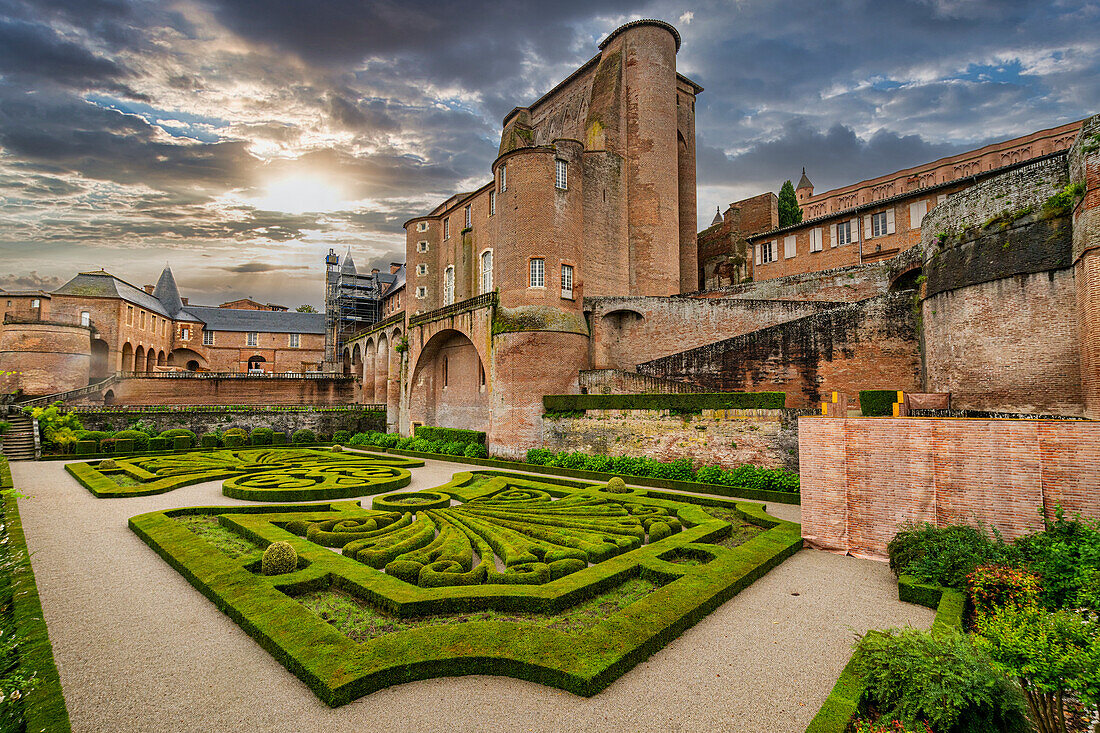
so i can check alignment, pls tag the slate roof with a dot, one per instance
(803, 182)
(717, 216)
(167, 292)
(397, 284)
(103, 284)
(231, 319)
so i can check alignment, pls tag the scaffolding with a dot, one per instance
(353, 303)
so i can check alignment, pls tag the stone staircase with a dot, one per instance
(19, 441)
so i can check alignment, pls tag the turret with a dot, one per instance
(805, 189)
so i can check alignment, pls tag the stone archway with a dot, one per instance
(368, 372)
(382, 370)
(190, 360)
(100, 366)
(256, 364)
(139, 359)
(150, 360)
(448, 388)
(127, 357)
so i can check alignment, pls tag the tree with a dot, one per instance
(789, 210)
(306, 308)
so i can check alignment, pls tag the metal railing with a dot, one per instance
(485, 300)
(100, 409)
(398, 317)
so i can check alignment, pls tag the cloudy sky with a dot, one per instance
(240, 139)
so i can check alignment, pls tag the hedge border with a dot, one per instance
(676, 402)
(733, 492)
(339, 670)
(841, 704)
(102, 487)
(44, 706)
(449, 435)
(403, 479)
(877, 402)
(147, 454)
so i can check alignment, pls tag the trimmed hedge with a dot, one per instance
(877, 402)
(43, 707)
(450, 435)
(85, 447)
(842, 703)
(684, 402)
(340, 669)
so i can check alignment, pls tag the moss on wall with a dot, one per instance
(537, 318)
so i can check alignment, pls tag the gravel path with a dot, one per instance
(140, 650)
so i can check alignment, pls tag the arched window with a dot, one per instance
(487, 271)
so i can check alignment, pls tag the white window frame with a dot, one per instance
(185, 334)
(561, 174)
(492, 202)
(422, 246)
(567, 281)
(294, 341)
(36, 303)
(768, 252)
(503, 178)
(449, 285)
(447, 228)
(485, 262)
(85, 318)
(536, 277)
(422, 269)
(252, 339)
(817, 239)
(843, 233)
(917, 211)
(421, 226)
(878, 224)
(207, 338)
(469, 215)
(421, 292)
(790, 246)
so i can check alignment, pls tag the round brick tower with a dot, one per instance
(47, 358)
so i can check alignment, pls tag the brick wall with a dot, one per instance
(872, 344)
(43, 358)
(204, 422)
(1084, 165)
(235, 391)
(767, 438)
(628, 331)
(724, 256)
(840, 285)
(864, 478)
(616, 381)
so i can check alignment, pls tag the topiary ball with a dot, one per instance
(108, 463)
(337, 449)
(279, 558)
(617, 486)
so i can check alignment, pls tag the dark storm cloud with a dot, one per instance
(29, 281)
(252, 267)
(32, 50)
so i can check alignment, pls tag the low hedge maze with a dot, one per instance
(279, 474)
(464, 571)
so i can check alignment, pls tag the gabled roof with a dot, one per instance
(397, 284)
(230, 319)
(102, 284)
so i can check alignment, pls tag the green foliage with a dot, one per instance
(789, 210)
(894, 726)
(303, 436)
(85, 447)
(877, 402)
(402, 345)
(1066, 555)
(159, 444)
(174, 433)
(57, 429)
(938, 678)
(944, 555)
(107, 463)
(1062, 203)
(139, 438)
(279, 558)
(211, 440)
(993, 586)
(5, 426)
(262, 436)
(340, 436)
(430, 433)
(679, 403)
(617, 486)
(305, 308)
(539, 456)
(235, 440)
(1048, 652)
(475, 450)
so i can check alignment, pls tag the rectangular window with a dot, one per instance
(769, 252)
(467, 217)
(492, 202)
(185, 334)
(421, 292)
(878, 224)
(142, 326)
(487, 271)
(538, 273)
(816, 239)
(129, 315)
(253, 338)
(446, 228)
(422, 246)
(295, 340)
(790, 246)
(561, 174)
(85, 318)
(207, 338)
(421, 226)
(421, 269)
(917, 210)
(844, 233)
(503, 178)
(449, 285)
(36, 303)
(567, 281)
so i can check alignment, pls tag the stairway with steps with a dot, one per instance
(19, 441)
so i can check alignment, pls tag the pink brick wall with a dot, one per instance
(863, 478)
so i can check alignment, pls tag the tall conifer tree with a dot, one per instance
(789, 210)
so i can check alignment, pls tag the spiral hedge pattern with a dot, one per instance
(487, 540)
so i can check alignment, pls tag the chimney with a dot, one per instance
(374, 271)
(184, 300)
(394, 267)
(149, 288)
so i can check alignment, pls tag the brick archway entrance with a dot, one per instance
(449, 386)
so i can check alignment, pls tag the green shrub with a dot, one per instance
(181, 442)
(617, 486)
(5, 426)
(360, 439)
(304, 436)
(95, 435)
(453, 448)
(121, 445)
(681, 403)
(106, 463)
(993, 586)
(1065, 555)
(877, 402)
(174, 433)
(278, 438)
(475, 450)
(139, 438)
(211, 440)
(944, 555)
(234, 431)
(341, 436)
(262, 436)
(279, 558)
(337, 448)
(85, 447)
(232, 440)
(709, 475)
(598, 463)
(539, 456)
(938, 678)
(158, 443)
(57, 429)
(448, 435)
